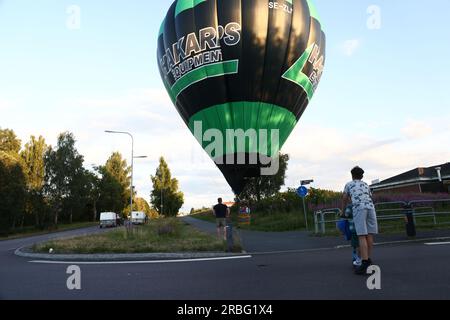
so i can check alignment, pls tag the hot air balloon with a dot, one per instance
(241, 66)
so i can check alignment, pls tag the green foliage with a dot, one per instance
(319, 198)
(12, 191)
(114, 185)
(165, 188)
(93, 193)
(282, 211)
(118, 168)
(266, 186)
(9, 141)
(33, 158)
(65, 178)
(140, 204)
(111, 194)
(45, 186)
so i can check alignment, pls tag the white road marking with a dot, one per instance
(437, 243)
(139, 262)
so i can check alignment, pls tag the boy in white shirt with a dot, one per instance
(359, 195)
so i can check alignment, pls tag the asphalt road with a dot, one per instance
(408, 271)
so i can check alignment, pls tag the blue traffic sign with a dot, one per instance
(302, 191)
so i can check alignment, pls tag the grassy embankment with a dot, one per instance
(159, 236)
(33, 231)
(295, 221)
(269, 222)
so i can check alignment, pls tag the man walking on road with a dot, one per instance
(359, 195)
(222, 212)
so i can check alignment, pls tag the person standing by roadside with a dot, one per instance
(359, 195)
(222, 212)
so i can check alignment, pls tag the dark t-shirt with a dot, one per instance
(220, 210)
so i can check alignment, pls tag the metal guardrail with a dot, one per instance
(418, 209)
(421, 205)
(319, 219)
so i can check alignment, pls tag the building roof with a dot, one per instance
(416, 175)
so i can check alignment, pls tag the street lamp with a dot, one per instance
(132, 162)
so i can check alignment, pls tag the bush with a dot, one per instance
(167, 227)
(408, 197)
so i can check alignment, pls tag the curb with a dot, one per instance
(413, 240)
(24, 252)
(347, 246)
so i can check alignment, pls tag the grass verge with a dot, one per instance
(159, 236)
(32, 231)
(266, 222)
(295, 221)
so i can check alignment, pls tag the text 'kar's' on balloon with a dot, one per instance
(241, 66)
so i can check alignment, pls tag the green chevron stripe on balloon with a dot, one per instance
(183, 5)
(161, 29)
(313, 11)
(245, 115)
(205, 72)
(169, 90)
(296, 75)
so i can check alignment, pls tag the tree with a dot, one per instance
(140, 204)
(266, 186)
(9, 141)
(165, 191)
(114, 185)
(33, 159)
(12, 191)
(93, 190)
(63, 173)
(117, 166)
(83, 196)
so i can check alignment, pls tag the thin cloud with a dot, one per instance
(5, 105)
(327, 154)
(415, 129)
(323, 153)
(349, 47)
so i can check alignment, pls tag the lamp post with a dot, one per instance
(132, 162)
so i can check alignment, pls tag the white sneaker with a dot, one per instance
(357, 262)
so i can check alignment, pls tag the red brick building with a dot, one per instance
(434, 179)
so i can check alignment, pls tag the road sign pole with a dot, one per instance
(303, 192)
(306, 215)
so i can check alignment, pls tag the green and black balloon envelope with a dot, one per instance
(241, 64)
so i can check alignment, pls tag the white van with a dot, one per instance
(138, 217)
(108, 219)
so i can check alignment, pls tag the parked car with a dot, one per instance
(138, 217)
(108, 219)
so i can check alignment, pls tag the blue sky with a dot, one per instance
(383, 102)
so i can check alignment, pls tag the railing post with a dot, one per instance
(322, 221)
(316, 222)
(410, 220)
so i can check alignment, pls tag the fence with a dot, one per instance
(391, 211)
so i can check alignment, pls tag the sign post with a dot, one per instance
(303, 192)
